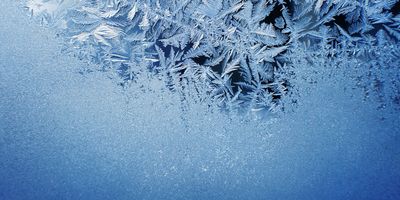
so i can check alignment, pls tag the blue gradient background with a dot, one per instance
(68, 136)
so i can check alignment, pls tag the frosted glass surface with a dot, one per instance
(68, 135)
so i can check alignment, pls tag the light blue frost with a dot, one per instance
(233, 53)
(123, 99)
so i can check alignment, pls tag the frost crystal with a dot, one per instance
(237, 54)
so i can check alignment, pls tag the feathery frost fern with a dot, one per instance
(238, 54)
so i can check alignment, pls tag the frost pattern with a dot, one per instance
(237, 54)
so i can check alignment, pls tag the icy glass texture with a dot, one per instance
(71, 131)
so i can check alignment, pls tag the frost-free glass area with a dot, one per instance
(71, 131)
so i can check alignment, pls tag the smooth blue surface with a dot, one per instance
(68, 136)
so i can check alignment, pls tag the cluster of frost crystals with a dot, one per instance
(232, 53)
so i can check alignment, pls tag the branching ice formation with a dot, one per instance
(237, 54)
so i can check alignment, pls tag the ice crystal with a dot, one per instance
(238, 54)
